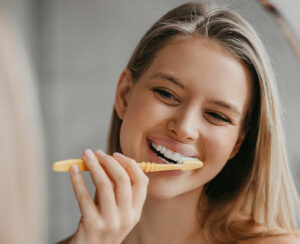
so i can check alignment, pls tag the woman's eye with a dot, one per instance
(164, 93)
(219, 117)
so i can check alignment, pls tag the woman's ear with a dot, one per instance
(123, 90)
(237, 145)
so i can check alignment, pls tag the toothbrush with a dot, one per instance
(65, 165)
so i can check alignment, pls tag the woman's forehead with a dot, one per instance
(199, 59)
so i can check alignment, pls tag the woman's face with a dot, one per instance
(191, 100)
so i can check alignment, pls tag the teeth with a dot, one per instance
(175, 156)
(169, 154)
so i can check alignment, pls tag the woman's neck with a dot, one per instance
(173, 220)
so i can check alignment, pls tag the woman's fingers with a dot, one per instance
(84, 198)
(116, 209)
(105, 191)
(120, 183)
(119, 176)
(138, 178)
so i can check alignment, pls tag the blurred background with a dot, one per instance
(79, 48)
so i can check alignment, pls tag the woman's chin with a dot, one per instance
(161, 190)
(161, 193)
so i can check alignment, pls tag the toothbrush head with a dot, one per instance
(191, 164)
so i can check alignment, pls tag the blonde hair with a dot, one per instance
(258, 176)
(22, 188)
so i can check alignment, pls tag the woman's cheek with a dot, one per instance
(221, 145)
(136, 121)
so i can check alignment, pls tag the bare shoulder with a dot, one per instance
(288, 239)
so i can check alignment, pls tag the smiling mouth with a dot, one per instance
(168, 160)
(167, 155)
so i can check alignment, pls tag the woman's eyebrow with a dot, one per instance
(168, 77)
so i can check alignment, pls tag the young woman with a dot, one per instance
(199, 84)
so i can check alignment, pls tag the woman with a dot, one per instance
(199, 84)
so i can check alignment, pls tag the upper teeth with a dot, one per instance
(175, 156)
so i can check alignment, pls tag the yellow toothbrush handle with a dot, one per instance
(65, 165)
(184, 166)
(153, 167)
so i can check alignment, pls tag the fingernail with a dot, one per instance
(100, 152)
(75, 168)
(89, 153)
(118, 155)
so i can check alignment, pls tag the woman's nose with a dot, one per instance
(184, 126)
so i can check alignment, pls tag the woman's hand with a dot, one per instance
(121, 188)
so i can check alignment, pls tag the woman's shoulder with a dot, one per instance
(250, 226)
(286, 239)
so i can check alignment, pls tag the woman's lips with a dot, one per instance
(153, 157)
(174, 146)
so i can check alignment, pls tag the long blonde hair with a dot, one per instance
(256, 183)
(22, 181)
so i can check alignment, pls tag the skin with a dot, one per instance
(200, 117)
